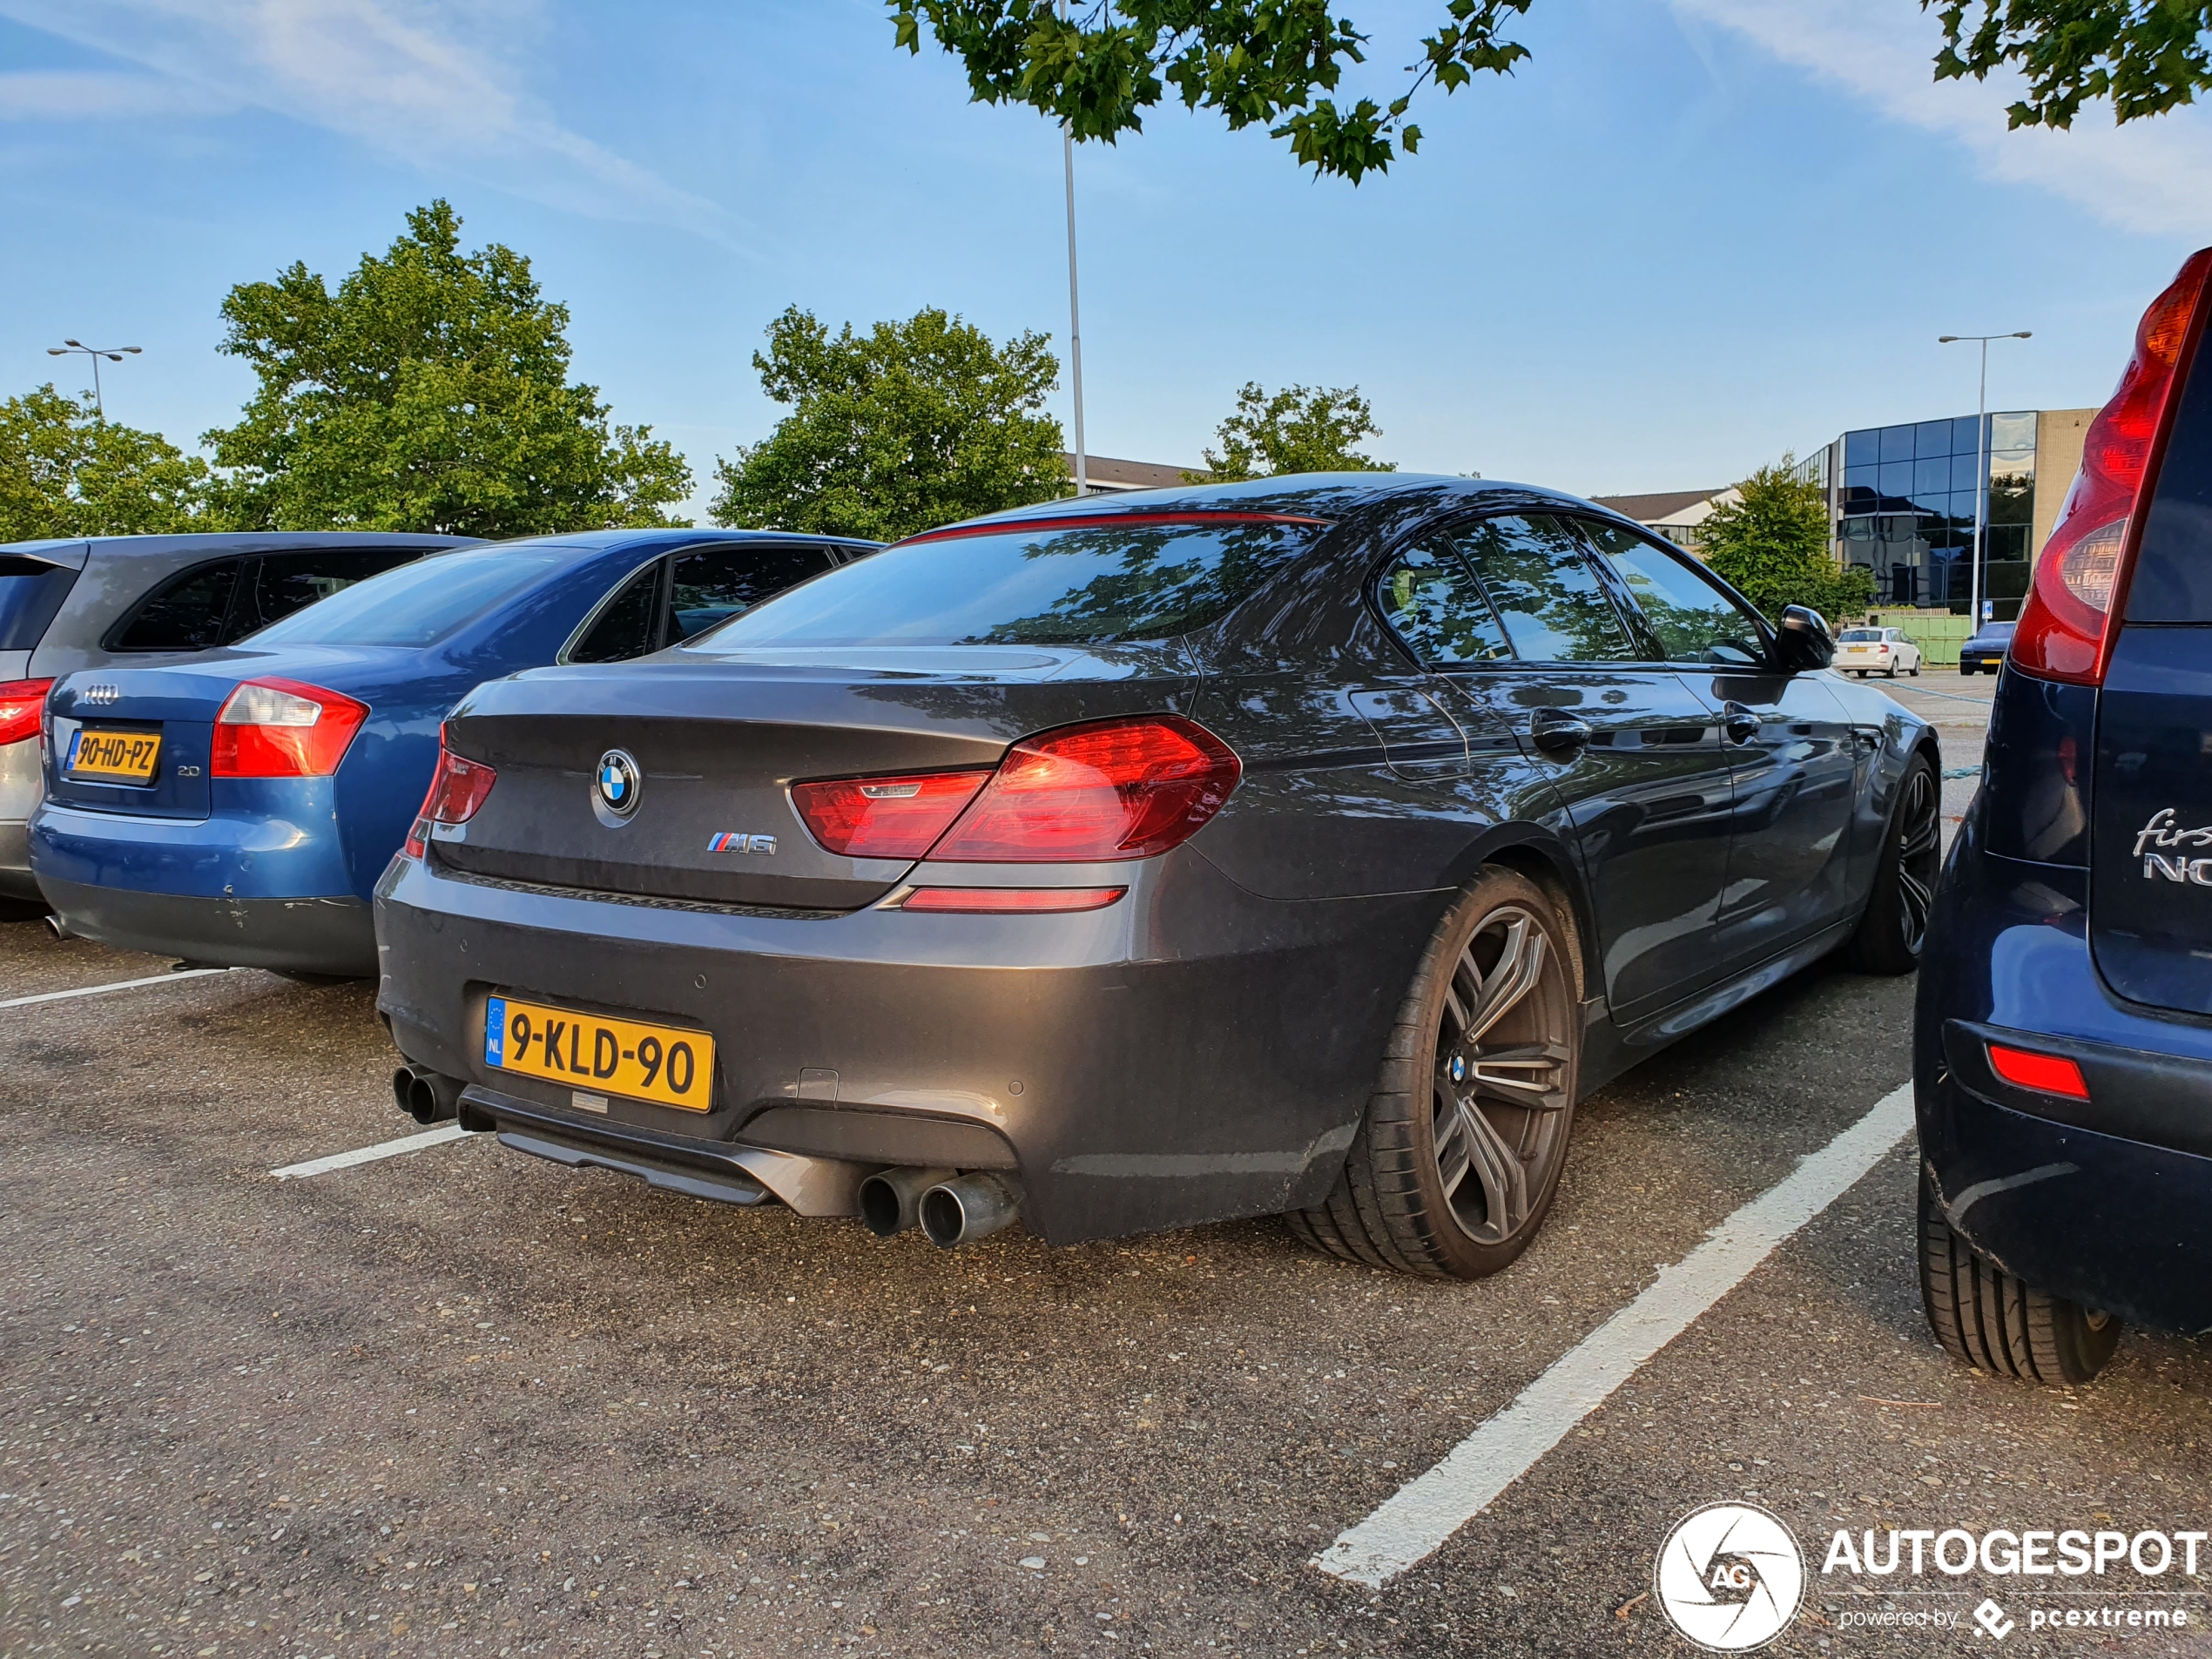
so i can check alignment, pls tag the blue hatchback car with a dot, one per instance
(2063, 1051)
(236, 808)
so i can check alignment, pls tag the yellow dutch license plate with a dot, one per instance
(669, 1065)
(113, 757)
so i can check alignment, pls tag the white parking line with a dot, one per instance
(1417, 1519)
(119, 985)
(429, 1137)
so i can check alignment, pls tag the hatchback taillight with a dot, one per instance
(458, 788)
(2065, 630)
(1106, 790)
(282, 728)
(21, 702)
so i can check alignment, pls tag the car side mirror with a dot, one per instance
(1802, 644)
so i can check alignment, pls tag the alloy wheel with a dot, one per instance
(1502, 1077)
(1920, 848)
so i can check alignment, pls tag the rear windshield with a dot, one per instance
(1860, 636)
(417, 604)
(31, 590)
(2172, 576)
(1088, 585)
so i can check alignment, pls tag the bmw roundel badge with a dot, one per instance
(618, 782)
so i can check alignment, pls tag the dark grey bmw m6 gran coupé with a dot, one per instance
(1308, 846)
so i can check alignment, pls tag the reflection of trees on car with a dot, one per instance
(1534, 571)
(1169, 579)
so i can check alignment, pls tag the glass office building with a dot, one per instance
(1903, 499)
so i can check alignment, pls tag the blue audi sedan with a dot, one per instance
(2063, 1050)
(235, 808)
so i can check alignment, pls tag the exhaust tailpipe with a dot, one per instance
(891, 1199)
(55, 926)
(425, 1097)
(969, 1207)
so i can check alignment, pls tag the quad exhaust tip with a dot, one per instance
(968, 1207)
(425, 1097)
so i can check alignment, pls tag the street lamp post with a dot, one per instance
(1981, 467)
(113, 354)
(1075, 310)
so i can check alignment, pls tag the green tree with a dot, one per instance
(2142, 55)
(430, 392)
(1251, 61)
(1773, 544)
(65, 472)
(911, 425)
(1279, 62)
(1300, 428)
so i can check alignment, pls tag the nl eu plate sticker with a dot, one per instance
(496, 1032)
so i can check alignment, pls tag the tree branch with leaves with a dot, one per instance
(2144, 56)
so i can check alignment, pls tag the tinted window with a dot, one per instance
(714, 584)
(1543, 588)
(184, 613)
(1694, 620)
(2173, 578)
(1087, 586)
(626, 628)
(1433, 603)
(417, 602)
(31, 591)
(290, 582)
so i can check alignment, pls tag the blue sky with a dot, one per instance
(1687, 235)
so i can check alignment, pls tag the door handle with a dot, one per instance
(1740, 724)
(1557, 733)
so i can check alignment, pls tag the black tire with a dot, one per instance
(1987, 1318)
(1454, 1163)
(1966, 668)
(1893, 928)
(1914, 671)
(1891, 671)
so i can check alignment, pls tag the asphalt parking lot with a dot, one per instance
(457, 1400)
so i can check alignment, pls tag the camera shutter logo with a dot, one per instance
(1730, 1577)
(617, 783)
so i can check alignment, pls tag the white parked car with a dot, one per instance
(1876, 650)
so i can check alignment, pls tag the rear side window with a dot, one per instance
(187, 612)
(1693, 620)
(31, 592)
(1431, 603)
(628, 627)
(1091, 584)
(420, 602)
(289, 582)
(1542, 585)
(2172, 576)
(712, 585)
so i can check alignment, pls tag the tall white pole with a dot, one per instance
(1981, 493)
(1074, 309)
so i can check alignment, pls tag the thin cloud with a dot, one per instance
(2153, 175)
(433, 82)
(75, 94)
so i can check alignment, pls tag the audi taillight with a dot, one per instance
(2081, 584)
(21, 702)
(458, 788)
(282, 728)
(1105, 790)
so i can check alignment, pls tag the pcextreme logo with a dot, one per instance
(1730, 1577)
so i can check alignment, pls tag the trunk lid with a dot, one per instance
(175, 707)
(2150, 912)
(717, 743)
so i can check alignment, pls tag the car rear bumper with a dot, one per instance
(2106, 1201)
(322, 935)
(1191, 1054)
(21, 789)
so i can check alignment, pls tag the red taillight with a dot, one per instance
(21, 702)
(2081, 583)
(458, 787)
(1113, 789)
(2049, 1072)
(1107, 790)
(885, 818)
(280, 728)
(1009, 901)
